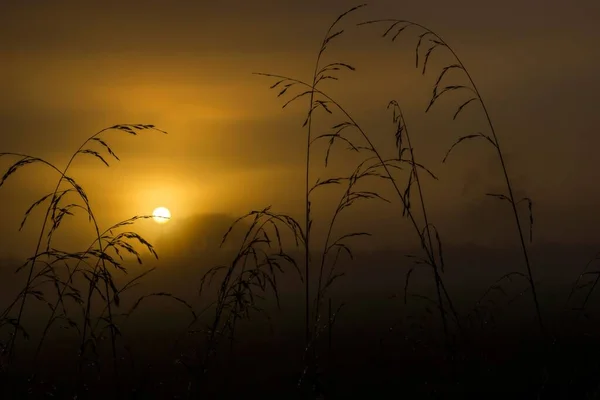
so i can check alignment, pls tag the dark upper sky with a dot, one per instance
(69, 69)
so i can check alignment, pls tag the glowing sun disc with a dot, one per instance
(161, 215)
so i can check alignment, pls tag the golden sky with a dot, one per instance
(69, 69)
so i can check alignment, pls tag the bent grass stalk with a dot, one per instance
(402, 130)
(397, 26)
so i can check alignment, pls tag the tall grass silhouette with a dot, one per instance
(375, 165)
(430, 242)
(50, 266)
(251, 274)
(429, 38)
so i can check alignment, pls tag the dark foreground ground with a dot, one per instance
(500, 354)
(508, 363)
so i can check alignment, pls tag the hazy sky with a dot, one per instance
(69, 69)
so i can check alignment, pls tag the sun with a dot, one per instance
(161, 215)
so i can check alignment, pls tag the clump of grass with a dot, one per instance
(374, 164)
(250, 275)
(433, 41)
(49, 265)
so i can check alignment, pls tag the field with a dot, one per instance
(311, 303)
